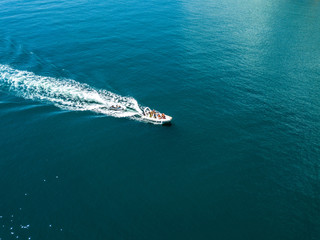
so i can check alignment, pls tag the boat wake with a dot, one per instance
(67, 94)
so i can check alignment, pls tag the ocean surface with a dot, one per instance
(241, 80)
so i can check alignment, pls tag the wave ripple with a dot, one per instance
(66, 93)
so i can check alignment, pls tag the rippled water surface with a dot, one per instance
(241, 80)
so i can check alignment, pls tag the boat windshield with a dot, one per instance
(146, 111)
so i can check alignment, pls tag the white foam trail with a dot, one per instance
(66, 93)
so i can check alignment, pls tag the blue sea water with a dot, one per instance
(240, 78)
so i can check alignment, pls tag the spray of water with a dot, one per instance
(67, 94)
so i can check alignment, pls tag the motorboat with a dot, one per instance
(155, 117)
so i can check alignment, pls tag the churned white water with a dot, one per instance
(66, 93)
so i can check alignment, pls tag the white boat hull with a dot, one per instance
(163, 121)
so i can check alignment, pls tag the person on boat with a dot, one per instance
(163, 116)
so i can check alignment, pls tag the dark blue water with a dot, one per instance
(241, 80)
